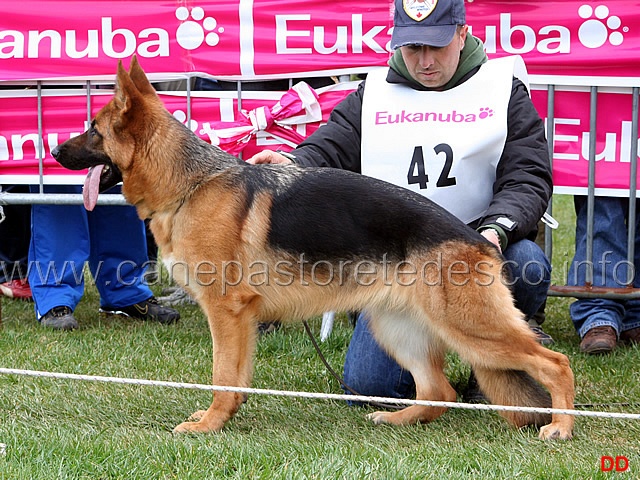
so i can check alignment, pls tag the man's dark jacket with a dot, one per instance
(523, 183)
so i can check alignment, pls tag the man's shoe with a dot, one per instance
(265, 328)
(18, 289)
(599, 340)
(152, 274)
(473, 394)
(179, 296)
(631, 336)
(59, 318)
(169, 290)
(542, 337)
(149, 309)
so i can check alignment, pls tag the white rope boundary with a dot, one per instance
(326, 396)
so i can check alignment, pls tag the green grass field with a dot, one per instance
(69, 429)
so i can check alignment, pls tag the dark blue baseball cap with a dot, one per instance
(426, 22)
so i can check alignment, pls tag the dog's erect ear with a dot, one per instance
(125, 91)
(126, 96)
(139, 78)
(132, 90)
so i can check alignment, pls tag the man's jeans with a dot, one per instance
(370, 371)
(609, 265)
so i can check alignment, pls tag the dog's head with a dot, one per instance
(109, 146)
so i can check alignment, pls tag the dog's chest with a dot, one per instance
(161, 227)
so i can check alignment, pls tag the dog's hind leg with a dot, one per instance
(233, 333)
(514, 386)
(413, 348)
(500, 343)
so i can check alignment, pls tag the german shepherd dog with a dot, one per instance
(253, 243)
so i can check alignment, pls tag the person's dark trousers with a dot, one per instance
(15, 234)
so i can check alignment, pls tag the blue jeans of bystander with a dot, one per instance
(609, 265)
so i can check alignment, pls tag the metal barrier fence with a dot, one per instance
(588, 291)
(626, 292)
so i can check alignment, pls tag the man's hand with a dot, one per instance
(268, 156)
(491, 235)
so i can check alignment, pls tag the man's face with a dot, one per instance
(433, 67)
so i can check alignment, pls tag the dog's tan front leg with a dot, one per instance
(234, 343)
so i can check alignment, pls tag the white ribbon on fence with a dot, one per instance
(299, 105)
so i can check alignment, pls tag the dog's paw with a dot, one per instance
(200, 422)
(196, 416)
(378, 418)
(555, 432)
(196, 427)
(188, 427)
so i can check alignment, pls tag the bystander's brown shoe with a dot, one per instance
(631, 336)
(599, 340)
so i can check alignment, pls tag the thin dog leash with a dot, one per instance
(338, 377)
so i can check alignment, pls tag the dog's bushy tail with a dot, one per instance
(514, 387)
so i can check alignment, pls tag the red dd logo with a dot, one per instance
(619, 464)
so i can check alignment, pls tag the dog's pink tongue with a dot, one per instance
(92, 187)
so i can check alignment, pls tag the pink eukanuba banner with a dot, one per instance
(252, 39)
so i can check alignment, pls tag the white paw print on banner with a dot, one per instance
(595, 32)
(182, 118)
(191, 34)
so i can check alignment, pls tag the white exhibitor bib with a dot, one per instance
(443, 145)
